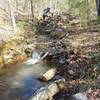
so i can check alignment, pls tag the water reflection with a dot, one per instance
(23, 81)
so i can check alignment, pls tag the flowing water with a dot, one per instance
(20, 81)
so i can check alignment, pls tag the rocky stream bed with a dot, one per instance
(50, 66)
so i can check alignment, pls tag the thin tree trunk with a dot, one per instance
(6, 6)
(32, 10)
(41, 5)
(25, 5)
(17, 15)
(32, 13)
(88, 19)
(98, 7)
(13, 22)
(55, 7)
(87, 13)
(50, 3)
(17, 5)
(69, 3)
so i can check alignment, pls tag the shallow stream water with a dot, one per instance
(20, 81)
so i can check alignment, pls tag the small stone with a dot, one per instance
(90, 90)
(80, 96)
(71, 72)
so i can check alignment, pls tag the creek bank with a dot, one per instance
(24, 81)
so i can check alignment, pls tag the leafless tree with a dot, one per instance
(13, 21)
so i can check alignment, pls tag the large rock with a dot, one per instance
(48, 75)
(35, 59)
(47, 92)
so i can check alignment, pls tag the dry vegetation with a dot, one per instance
(79, 42)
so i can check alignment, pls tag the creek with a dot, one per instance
(20, 81)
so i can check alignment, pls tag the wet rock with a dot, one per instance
(62, 59)
(35, 59)
(37, 56)
(49, 74)
(80, 96)
(47, 92)
(55, 52)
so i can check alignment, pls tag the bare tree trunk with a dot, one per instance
(98, 7)
(17, 15)
(25, 5)
(13, 22)
(50, 3)
(17, 4)
(69, 3)
(6, 5)
(55, 7)
(41, 5)
(88, 24)
(32, 13)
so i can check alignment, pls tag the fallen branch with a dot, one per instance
(44, 55)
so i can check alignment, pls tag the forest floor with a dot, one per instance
(82, 72)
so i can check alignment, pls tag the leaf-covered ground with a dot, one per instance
(82, 70)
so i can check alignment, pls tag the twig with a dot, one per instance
(44, 55)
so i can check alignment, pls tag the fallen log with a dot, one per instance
(44, 56)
